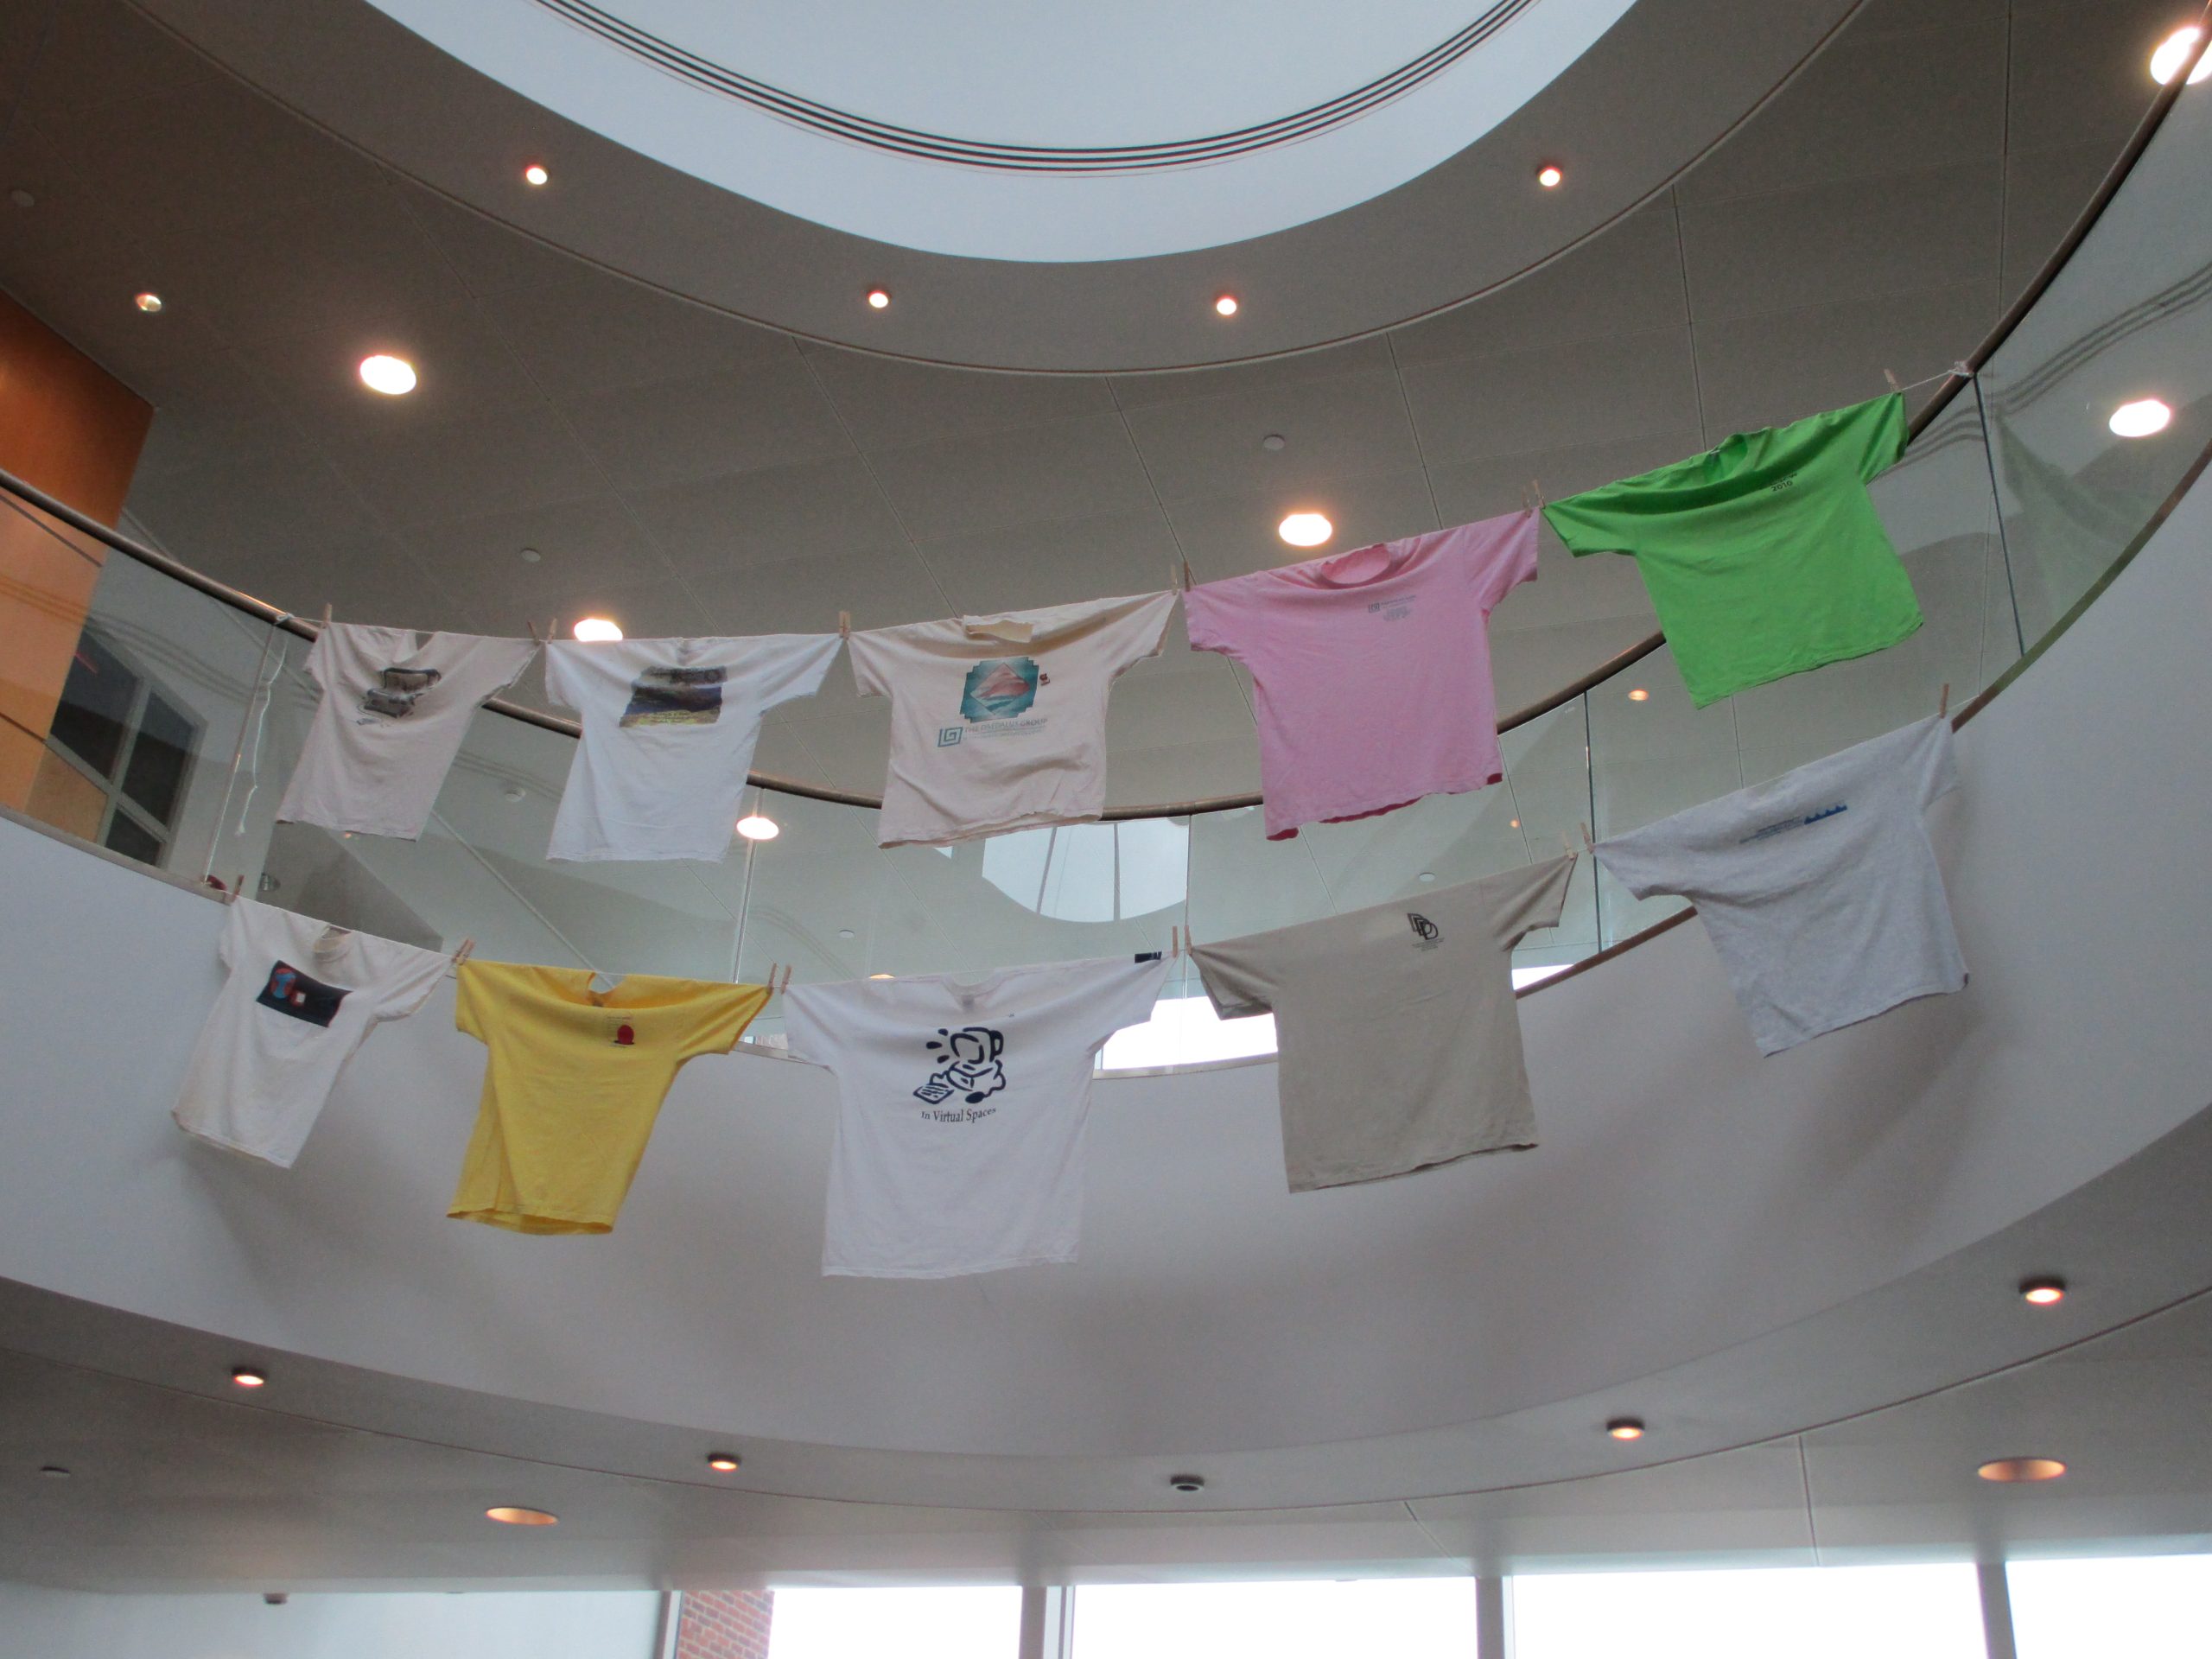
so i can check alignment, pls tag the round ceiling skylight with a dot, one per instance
(1009, 131)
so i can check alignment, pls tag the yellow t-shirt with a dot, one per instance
(572, 1080)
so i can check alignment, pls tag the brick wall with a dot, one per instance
(725, 1624)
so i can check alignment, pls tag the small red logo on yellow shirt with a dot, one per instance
(624, 1037)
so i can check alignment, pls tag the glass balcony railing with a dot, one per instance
(2015, 499)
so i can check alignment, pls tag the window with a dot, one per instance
(118, 754)
(2150, 1607)
(1814, 1613)
(1406, 1618)
(927, 1623)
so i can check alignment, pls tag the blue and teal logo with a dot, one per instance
(1000, 690)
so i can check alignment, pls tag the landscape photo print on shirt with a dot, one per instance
(676, 696)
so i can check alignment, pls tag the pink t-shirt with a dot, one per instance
(1372, 668)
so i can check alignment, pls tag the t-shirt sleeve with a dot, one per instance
(1236, 979)
(406, 982)
(1935, 761)
(1649, 860)
(1535, 900)
(503, 662)
(318, 662)
(564, 673)
(1138, 632)
(231, 934)
(1211, 614)
(809, 1022)
(1594, 521)
(1126, 995)
(871, 655)
(1505, 563)
(1875, 432)
(719, 1015)
(791, 665)
(471, 1001)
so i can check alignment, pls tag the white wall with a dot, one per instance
(40, 1624)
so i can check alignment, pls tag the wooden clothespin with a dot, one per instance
(536, 637)
(844, 625)
(237, 888)
(1189, 581)
(1533, 497)
(772, 979)
(1586, 841)
(1943, 705)
(1891, 376)
(787, 985)
(468, 945)
(325, 616)
(1174, 943)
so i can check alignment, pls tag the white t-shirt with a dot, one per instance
(301, 997)
(1819, 889)
(1397, 1038)
(393, 714)
(669, 727)
(962, 1104)
(999, 722)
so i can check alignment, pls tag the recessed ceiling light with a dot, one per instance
(53, 1471)
(1187, 1483)
(1273, 443)
(1427, 876)
(23, 198)
(535, 173)
(1226, 305)
(847, 933)
(1550, 176)
(2045, 1290)
(878, 298)
(391, 376)
(753, 827)
(2140, 418)
(2008, 1470)
(1513, 824)
(513, 1515)
(721, 1463)
(530, 555)
(883, 976)
(246, 1377)
(1626, 1428)
(149, 301)
(514, 792)
(1305, 528)
(596, 628)
(2173, 52)
(1639, 695)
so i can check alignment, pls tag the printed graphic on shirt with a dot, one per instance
(289, 991)
(1391, 610)
(1795, 823)
(1426, 932)
(396, 691)
(971, 1068)
(676, 696)
(625, 1036)
(1000, 690)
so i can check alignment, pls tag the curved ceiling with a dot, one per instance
(1009, 131)
(1397, 213)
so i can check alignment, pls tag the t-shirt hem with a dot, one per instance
(603, 855)
(858, 1270)
(282, 1159)
(532, 1221)
(1314, 1182)
(947, 835)
(1768, 678)
(1351, 811)
(391, 831)
(1889, 1000)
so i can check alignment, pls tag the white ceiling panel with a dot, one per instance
(2080, 69)
(1626, 280)
(363, 578)
(775, 516)
(1490, 485)
(1061, 469)
(92, 57)
(1055, 564)
(889, 403)
(498, 463)
(1354, 357)
(280, 503)
(1587, 391)
(804, 595)
(576, 542)
(590, 333)
(1870, 105)
(2045, 194)
(673, 431)
(1842, 240)
(1765, 371)
(1354, 424)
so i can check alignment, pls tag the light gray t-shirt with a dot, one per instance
(1398, 1042)
(1819, 889)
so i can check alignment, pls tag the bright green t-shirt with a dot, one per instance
(1763, 556)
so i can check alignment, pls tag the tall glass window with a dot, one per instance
(933, 1622)
(2146, 1607)
(1831, 1612)
(1406, 1618)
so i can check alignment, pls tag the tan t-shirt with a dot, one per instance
(999, 722)
(1399, 1045)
